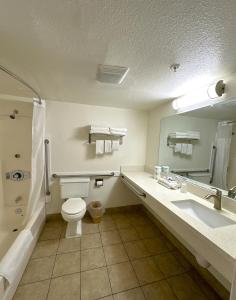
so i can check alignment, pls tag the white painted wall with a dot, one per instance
(15, 137)
(67, 128)
(200, 159)
(232, 161)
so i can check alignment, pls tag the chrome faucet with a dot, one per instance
(232, 192)
(217, 198)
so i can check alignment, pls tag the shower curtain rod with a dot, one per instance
(18, 78)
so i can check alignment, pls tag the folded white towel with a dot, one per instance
(11, 264)
(118, 129)
(107, 146)
(115, 145)
(189, 149)
(99, 129)
(184, 148)
(178, 148)
(99, 147)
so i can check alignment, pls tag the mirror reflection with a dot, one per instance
(201, 145)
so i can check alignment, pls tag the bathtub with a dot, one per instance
(11, 225)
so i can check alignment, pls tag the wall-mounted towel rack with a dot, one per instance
(88, 174)
(104, 136)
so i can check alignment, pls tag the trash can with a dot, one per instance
(96, 211)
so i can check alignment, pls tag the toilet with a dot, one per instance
(73, 189)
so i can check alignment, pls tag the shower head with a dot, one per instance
(13, 115)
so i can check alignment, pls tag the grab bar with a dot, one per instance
(108, 174)
(133, 188)
(47, 185)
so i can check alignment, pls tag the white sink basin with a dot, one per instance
(202, 213)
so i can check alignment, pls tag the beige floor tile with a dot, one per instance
(205, 287)
(67, 263)
(110, 237)
(158, 291)
(169, 264)
(155, 246)
(95, 284)
(182, 260)
(185, 288)
(107, 225)
(122, 277)
(146, 270)
(50, 233)
(147, 231)
(140, 220)
(136, 249)
(68, 245)
(92, 259)
(45, 248)
(92, 240)
(65, 288)
(107, 298)
(115, 254)
(135, 294)
(128, 234)
(89, 227)
(32, 291)
(38, 269)
(122, 223)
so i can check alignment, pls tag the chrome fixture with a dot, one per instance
(232, 192)
(13, 115)
(216, 90)
(47, 175)
(217, 198)
(18, 78)
(174, 67)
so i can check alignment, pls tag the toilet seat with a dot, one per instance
(73, 206)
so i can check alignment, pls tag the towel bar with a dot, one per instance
(140, 194)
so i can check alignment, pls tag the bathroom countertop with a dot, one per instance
(221, 239)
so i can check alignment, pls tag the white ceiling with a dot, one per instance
(56, 45)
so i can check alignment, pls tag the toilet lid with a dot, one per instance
(73, 205)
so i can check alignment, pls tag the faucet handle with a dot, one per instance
(218, 192)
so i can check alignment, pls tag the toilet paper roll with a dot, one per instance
(99, 183)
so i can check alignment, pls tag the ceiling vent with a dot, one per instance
(111, 74)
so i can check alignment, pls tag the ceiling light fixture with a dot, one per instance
(200, 97)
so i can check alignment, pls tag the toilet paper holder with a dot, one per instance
(99, 182)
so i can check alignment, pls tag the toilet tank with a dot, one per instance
(73, 187)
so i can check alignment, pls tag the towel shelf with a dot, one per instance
(104, 136)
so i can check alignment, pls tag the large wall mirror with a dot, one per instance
(201, 144)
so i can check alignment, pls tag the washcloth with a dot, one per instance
(115, 145)
(99, 147)
(107, 146)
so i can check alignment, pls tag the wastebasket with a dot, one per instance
(96, 211)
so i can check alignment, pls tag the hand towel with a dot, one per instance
(189, 149)
(107, 146)
(115, 145)
(118, 131)
(99, 147)
(178, 148)
(184, 148)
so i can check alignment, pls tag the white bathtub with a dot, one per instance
(10, 221)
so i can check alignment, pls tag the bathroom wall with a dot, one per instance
(232, 160)
(153, 133)
(15, 138)
(200, 159)
(67, 129)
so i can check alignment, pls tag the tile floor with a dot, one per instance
(123, 257)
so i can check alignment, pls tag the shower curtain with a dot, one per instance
(37, 157)
(223, 142)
